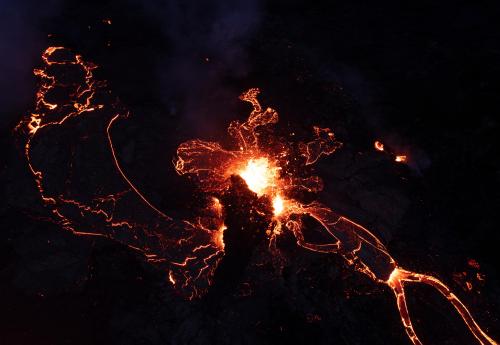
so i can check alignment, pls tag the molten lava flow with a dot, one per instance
(189, 251)
(261, 178)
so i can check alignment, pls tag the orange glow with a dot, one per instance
(171, 278)
(262, 178)
(399, 276)
(190, 250)
(278, 205)
(259, 175)
(219, 237)
(379, 146)
(400, 159)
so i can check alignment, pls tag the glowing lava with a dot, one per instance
(400, 158)
(259, 175)
(262, 178)
(190, 250)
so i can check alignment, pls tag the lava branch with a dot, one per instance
(396, 282)
(122, 173)
(362, 250)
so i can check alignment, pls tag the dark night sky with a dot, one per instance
(424, 77)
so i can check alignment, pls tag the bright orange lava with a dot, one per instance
(278, 205)
(259, 175)
(400, 158)
(263, 178)
(191, 249)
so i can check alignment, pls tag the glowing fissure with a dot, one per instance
(198, 243)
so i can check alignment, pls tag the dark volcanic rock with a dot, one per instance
(423, 77)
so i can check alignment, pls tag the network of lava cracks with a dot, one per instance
(190, 250)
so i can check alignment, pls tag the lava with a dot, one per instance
(278, 205)
(85, 102)
(258, 175)
(274, 171)
(398, 158)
